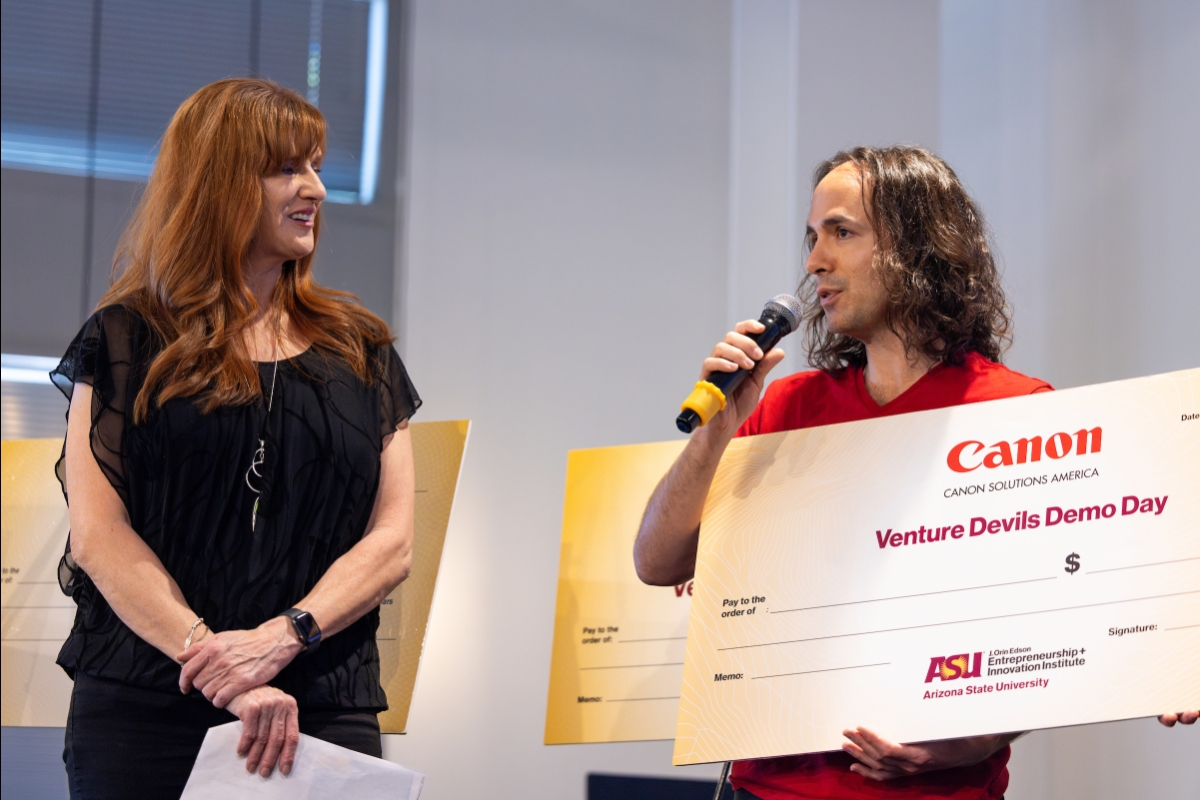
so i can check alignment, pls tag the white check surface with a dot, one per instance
(816, 610)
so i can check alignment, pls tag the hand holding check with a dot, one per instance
(882, 760)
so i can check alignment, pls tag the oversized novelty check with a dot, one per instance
(618, 643)
(1002, 566)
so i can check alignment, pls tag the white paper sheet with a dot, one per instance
(321, 770)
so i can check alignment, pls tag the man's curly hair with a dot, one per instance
(931, 252)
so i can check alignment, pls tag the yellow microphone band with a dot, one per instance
(706, 400)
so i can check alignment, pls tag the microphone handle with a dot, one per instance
(728, 382)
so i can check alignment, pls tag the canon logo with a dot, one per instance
(971, 455)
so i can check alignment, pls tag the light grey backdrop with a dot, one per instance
(590, 193)
(564, 200)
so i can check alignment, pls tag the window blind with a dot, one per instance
(89, 86)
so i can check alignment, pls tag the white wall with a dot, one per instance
(597, 188)
(566, 244)
(809, 78)
(1075, 124)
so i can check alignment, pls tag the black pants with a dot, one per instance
(123, 742)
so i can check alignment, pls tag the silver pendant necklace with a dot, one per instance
(260, 454)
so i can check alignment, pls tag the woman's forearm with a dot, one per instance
(369, 571)
(359, 580)
(136, 585)
(128, 574)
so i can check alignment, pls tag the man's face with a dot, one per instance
(842, 256)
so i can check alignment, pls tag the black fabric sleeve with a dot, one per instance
(108, 354)
(398, 396)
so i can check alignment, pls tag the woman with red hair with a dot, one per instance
(238, 466)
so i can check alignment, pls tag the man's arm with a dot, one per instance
(665, 551)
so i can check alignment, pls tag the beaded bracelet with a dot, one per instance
(188, 641)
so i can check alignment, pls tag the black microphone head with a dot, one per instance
(788, 309)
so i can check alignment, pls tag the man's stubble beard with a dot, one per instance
(858, 323)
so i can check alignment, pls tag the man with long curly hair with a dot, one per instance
(904, 312)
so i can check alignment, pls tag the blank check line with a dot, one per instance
(635, 666)
(637, 699)
(812, 671)
(1184, 627)
(921, 594)
(1139, 566)
(663, 639)
(959, 621)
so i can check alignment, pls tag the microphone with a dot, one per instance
(781, 315)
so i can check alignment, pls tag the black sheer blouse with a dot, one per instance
(181, 475)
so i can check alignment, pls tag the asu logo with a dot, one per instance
(950, 668)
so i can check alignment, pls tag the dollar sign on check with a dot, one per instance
(1072, 564)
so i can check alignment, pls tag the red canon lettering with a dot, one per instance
(971, 454)
(954, 459)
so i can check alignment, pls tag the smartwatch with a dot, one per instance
(306, 628)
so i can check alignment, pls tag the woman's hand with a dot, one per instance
(1183, 717)
(229, 663)
(270, 729)
(882, 760)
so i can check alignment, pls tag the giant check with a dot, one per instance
(1002, 566)
(618, 643)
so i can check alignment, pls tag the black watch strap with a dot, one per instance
(306, 628)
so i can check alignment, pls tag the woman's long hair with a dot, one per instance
(181, 261)
(932, 253)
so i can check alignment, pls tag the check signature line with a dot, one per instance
(958, 621)
(921, 594)
(1139, 566)
(811, 671)
(1184, 627)
(635, 666)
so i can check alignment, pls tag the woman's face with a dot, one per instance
(290, 202)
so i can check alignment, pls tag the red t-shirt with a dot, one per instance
(809, 399)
